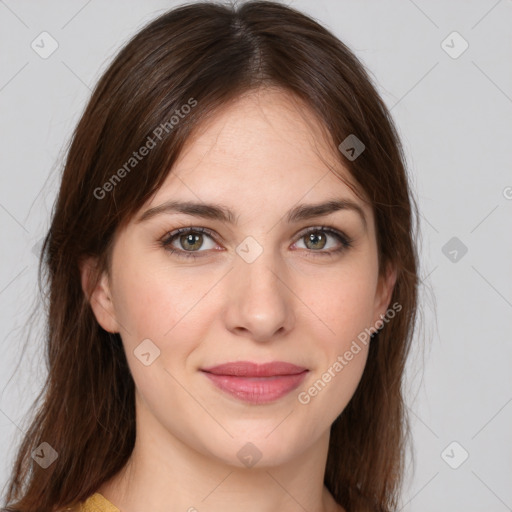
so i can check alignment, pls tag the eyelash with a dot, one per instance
(346, 243)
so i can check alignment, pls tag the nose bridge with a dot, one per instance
(259, 264)
(260, 302)
(255, 266)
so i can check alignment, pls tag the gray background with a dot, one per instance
(455, 119)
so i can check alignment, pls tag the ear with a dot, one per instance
(99, 295)
(385, 287)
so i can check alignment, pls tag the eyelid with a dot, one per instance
(323, 227)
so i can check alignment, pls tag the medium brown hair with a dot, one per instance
(213, 54)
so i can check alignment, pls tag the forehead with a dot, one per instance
(264, 151)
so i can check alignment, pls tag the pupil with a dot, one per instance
(315, 238)
(191, 238)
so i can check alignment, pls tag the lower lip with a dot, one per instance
(257, 390)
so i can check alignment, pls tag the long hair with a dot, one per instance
(206, 55)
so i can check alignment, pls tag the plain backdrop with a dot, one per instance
(445, 71)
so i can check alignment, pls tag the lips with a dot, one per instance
(248, 369)
(256, 383)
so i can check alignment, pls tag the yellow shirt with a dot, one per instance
(97, 503)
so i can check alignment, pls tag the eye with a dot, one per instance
(316, 239)
(191, 239)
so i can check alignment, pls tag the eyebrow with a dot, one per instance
(222, 213)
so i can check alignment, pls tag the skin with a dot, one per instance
(260, 156)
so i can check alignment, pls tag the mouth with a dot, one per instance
(256, 383)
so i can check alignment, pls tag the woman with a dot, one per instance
(232, 279)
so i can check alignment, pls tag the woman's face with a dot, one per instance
(264, 286)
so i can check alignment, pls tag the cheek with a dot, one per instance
(169, 309)
(346, 305)
(153, 308)
(346, 308)
(343, 303)
(348, 313)
(139, 305)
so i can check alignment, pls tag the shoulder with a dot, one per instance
(96, 503)
(76, 508)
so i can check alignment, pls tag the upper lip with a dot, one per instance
(249, 369)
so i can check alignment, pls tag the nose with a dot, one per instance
(260, 303)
